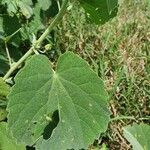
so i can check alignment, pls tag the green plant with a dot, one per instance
(61, 108)
(59, 105)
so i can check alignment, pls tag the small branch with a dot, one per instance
(10, 36)
(53, 24)
(40, 40)
(58, 3)
(122, 117)
(8, 55)
(129, 118)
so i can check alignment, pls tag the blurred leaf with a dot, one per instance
(4, 66)
(25, 9)
(138, 136)
(44, 5)
(3, 114)
(100, 11)
(4, 88)
(24, 6)
(6, 140)
(104, 147)
(11, 6)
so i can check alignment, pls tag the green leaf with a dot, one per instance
(11, 6)
(4, 88)
(4, 66)
(73, 89)
(24, 6)
(44, 5)
(138, 136)
(3, 114)
(6, 141)
(104, 147)
(100, 11)
(25, 9)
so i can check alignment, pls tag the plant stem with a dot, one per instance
(54, 23)
(20, 61)
(8, 55)
(40, 40)
(122, 117)
(10, 36)
(129, 118)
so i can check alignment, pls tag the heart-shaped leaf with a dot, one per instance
(138, 136)
(73, 90)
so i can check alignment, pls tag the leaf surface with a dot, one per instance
(24, 6)
(73, 90)
(100, 11)
(138, 136)
(6, 141)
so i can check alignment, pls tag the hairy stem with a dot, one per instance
(122, 118)
(129, 118)
(40, 40)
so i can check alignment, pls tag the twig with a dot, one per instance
(129, 118)
(10, 36)
(8, 55)
(122, 117)
(58, 3)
